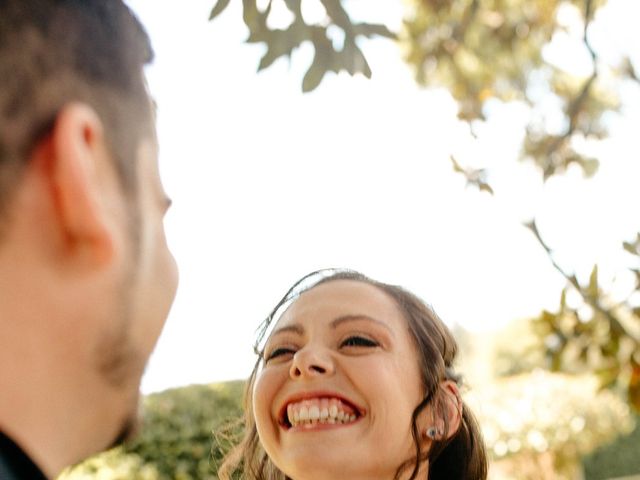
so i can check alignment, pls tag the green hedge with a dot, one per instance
(176, 441)
(618, 459)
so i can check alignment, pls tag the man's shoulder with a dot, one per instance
(15, 464)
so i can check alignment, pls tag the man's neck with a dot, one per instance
(52, 418)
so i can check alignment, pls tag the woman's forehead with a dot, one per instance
(340, 297)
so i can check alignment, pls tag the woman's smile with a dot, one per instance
(318, 411)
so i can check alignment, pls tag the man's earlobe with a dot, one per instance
(76, 151)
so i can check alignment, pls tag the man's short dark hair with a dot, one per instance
(53, 52)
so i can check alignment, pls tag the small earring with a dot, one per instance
(433, 432)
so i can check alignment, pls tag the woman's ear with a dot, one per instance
(447, 412)
(453, 406)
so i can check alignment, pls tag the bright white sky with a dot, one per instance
(269, 184)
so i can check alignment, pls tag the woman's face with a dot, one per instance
(339, 384)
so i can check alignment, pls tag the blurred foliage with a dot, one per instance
(596, 333)
(538, 425)
(517, 349)
(485, 51)
(480, 50)
(328, 57)
(617, 459)
(176, 440)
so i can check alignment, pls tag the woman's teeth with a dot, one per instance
(320, 411)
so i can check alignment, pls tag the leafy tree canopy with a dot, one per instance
(485, 51)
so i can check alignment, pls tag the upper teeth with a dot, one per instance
(319, 410)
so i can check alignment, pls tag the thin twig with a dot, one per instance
(578, 102)
(587, 21)
(572, 112)
(588, 298)
(469, 16)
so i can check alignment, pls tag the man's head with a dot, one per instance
(86, 278)
(54, 52)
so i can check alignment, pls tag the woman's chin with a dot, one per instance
(322, 461)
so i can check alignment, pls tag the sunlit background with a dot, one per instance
(269, 184)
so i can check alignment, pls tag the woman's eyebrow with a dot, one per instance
(295, 328)
(359, 317)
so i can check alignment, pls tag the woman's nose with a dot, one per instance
(311, 362)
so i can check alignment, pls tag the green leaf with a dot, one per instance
(338, 14)
(556, 362)
(589, 166)
(485, 187)
(281, 43)
(456, 166)
(593, 282)
(253, 18)
(361, 64)
(313, 77)
(549, 318)
(608, 377)
(353, 60)
(294, 7)
(322, 60)
(218, 8)
(629, 247)
(372, 29)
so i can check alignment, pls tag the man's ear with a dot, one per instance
(76, 154)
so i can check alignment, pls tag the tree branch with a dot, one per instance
(575, 106)
(588, 11)
(591, 300)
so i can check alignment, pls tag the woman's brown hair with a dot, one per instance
(460, 456)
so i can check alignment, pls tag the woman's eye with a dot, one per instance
(279, 352)
(358, 341)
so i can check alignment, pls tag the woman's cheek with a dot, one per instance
(264, 396)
